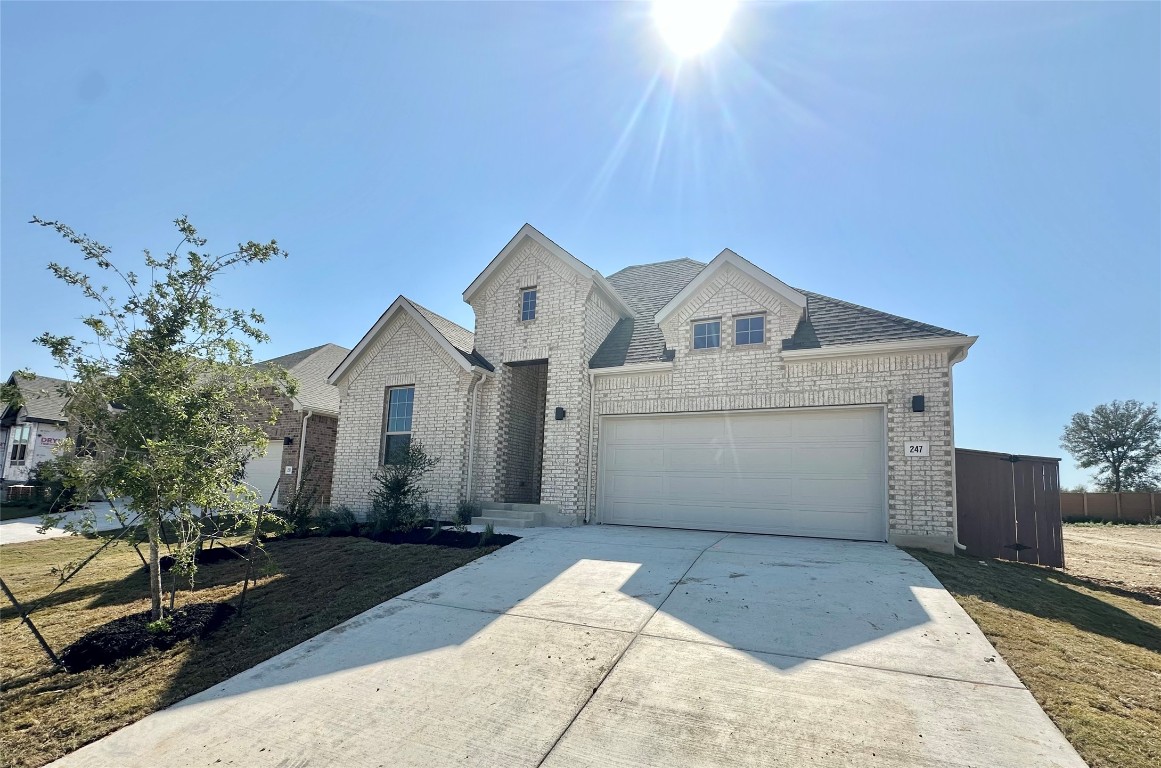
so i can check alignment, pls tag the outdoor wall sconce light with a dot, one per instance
(917, 403)
(288, 441)
(560, 414)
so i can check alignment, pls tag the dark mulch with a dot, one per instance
(128, 636)
(207, 556)
(445, 538)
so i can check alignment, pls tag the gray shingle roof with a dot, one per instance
(459, 337)
(829, 322)
(42, 398)
(833, 322)
(310, 368)
(646, 288)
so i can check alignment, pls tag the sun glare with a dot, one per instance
(691, 27)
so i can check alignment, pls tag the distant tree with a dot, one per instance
(164, 391)
(1122, 440)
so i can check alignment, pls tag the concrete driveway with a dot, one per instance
(611, 646)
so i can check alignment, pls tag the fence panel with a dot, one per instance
(1130, 507)
(1009, 506)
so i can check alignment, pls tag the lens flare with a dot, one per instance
(692, 27)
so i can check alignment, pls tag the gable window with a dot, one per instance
(750, 330)
(20, 435)
(528, 304)
(707, 334)
(397, 432)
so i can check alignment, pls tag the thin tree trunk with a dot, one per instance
(155, 569)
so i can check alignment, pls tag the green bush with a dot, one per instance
(337, 521)
(397, 504)
(298, 516)
(465, 511)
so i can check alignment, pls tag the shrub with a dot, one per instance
(338, 521)
(488, 534)
(298, 514)
(465, 511)
(397, 504)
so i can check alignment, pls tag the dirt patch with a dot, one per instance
(1124, 557)
(129, 636)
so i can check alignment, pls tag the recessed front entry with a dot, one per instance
(803, 472)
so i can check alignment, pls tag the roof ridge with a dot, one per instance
(658, 263)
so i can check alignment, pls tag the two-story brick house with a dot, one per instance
(675, 394)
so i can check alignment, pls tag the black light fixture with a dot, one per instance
(559, 414)
(917, 403)
(288, 440)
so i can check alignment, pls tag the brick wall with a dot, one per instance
(569, 320)
(403, 355)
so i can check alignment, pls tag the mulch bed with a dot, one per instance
(209, 555)
(128, 636)
(445, 538)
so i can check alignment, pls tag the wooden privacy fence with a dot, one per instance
(1008, 506)
(1111, 507)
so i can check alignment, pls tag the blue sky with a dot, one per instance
(991, 168)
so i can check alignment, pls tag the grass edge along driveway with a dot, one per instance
(307, 586)
(1090, 654)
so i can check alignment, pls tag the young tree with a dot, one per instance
(164, 391)
(1122, 440)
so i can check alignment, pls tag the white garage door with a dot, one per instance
(810, 472)
(262, 472)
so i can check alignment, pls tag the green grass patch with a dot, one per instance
(1088, 652)
(305, 587)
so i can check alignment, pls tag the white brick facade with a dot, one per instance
(574, 316)
(403, 355)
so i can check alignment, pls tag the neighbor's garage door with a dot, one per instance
(262, 472)
(803, 472)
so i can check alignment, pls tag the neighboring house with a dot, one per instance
(303, 437)
(676, 394)
(29, 433)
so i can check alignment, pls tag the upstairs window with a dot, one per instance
(750, 330)
(528, 304)
(707, 334)
(20, 435)
(397, 432)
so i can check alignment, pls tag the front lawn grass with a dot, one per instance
(308, 586)
(1090, 654)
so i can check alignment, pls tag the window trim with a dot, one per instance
(693, 334)
(14, 442)
(387, 433)
(751, 316)
(524, 301)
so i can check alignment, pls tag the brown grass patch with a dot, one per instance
(307, 586)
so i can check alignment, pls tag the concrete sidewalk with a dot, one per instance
(627, 647)
(25, 528)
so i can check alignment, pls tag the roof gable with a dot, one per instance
(465, 358)
(310, 368)
(43, 400)
(530, 233)
(827, 324)
(728, 258)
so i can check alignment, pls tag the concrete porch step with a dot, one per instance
(508, 522)
(513, 507)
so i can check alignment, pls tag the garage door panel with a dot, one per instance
(809, 473)
(631, 458)
(865, 459)
(695, 429)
